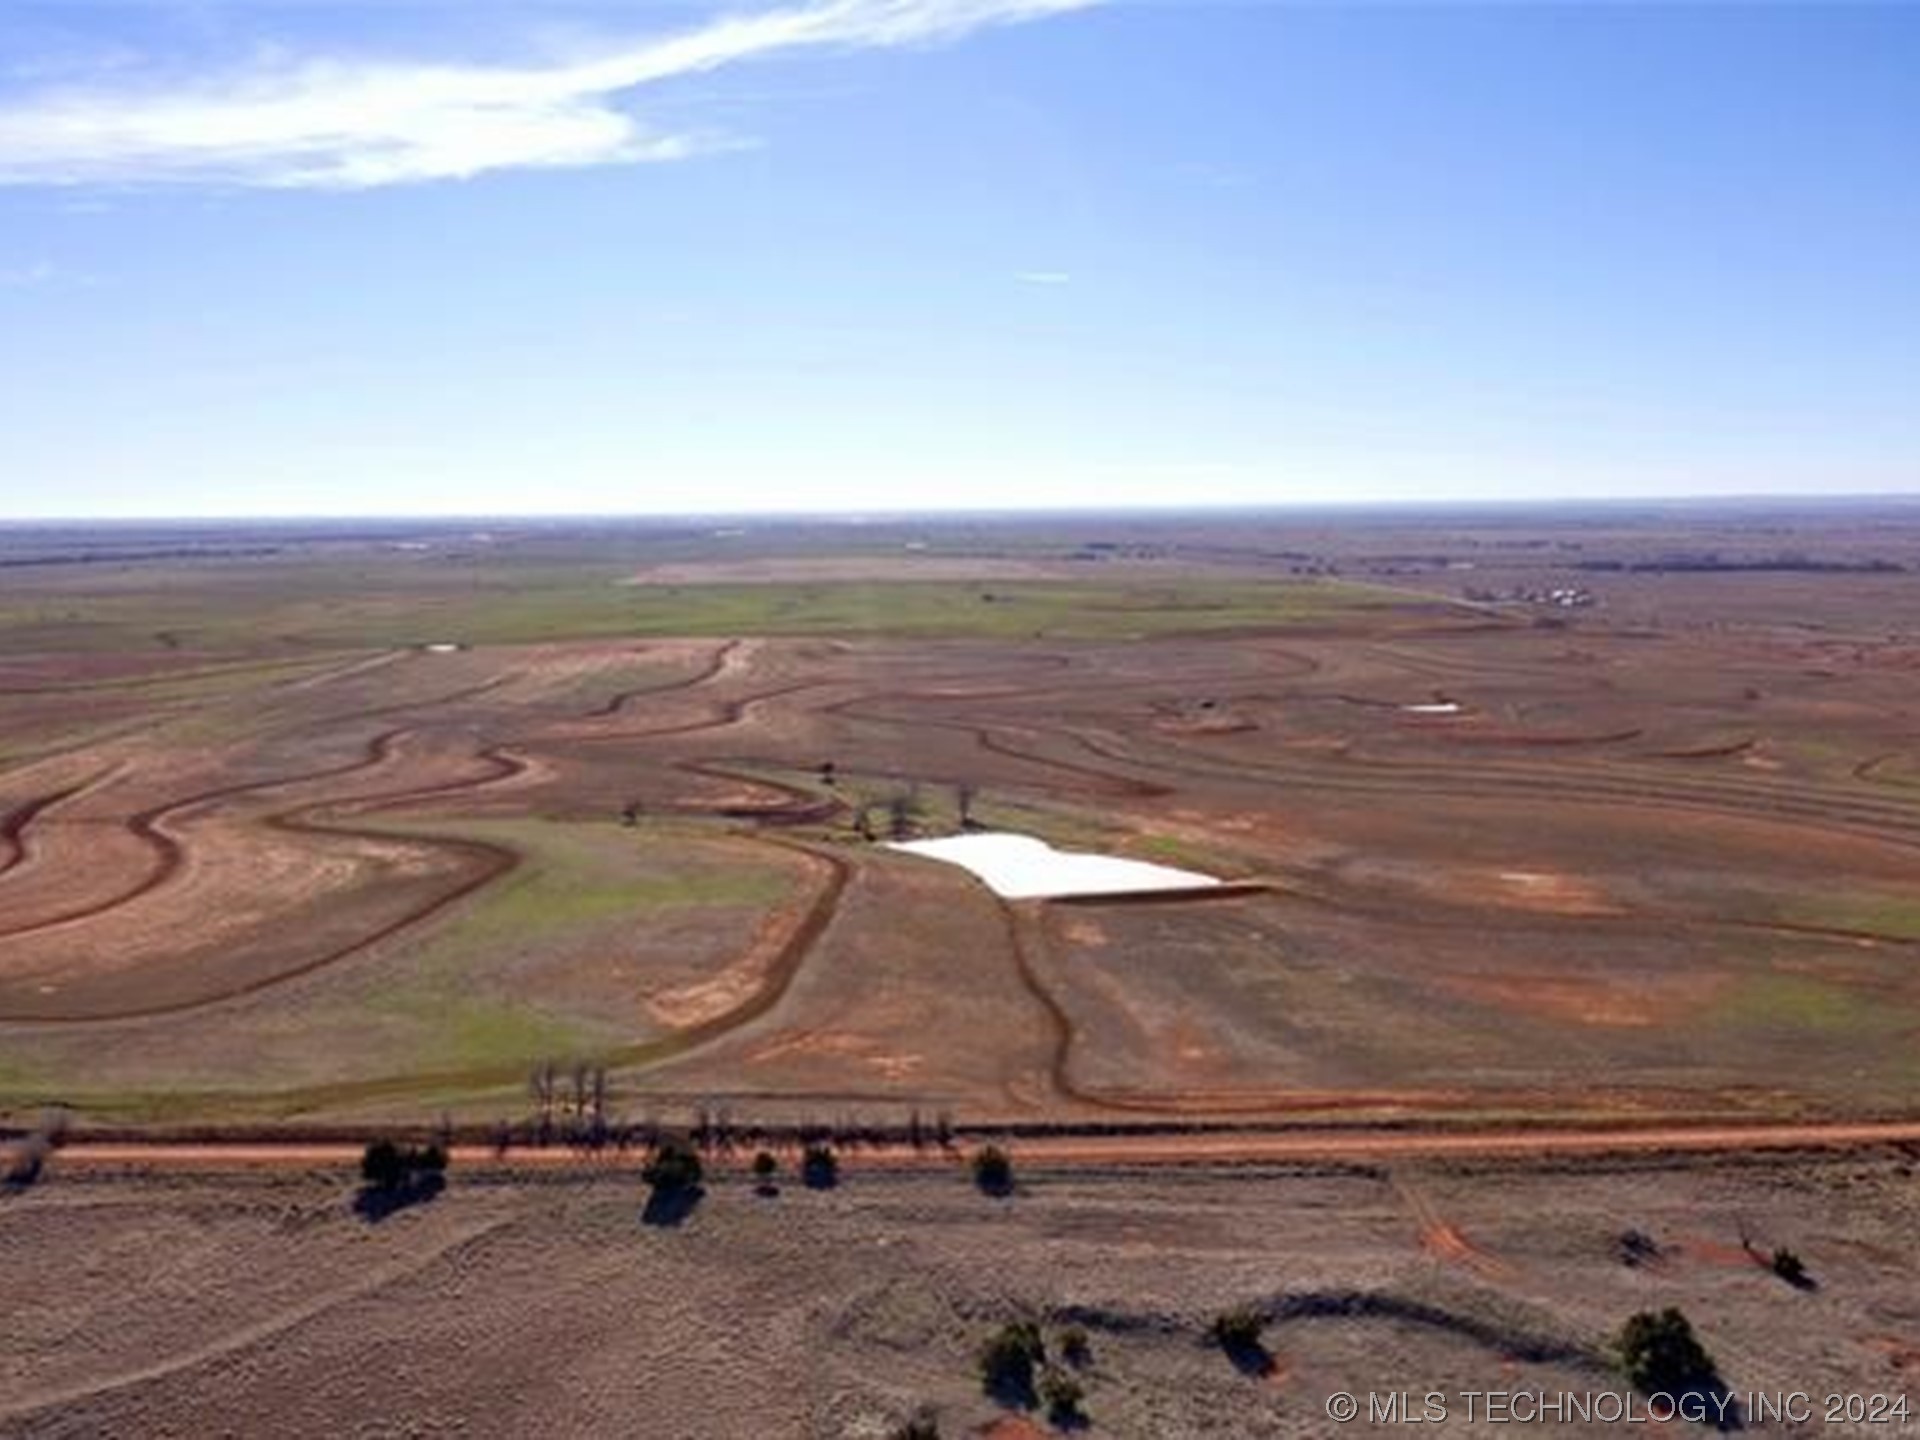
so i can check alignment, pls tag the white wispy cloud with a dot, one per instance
(1044, 277)
(321, 123)
(21, 277)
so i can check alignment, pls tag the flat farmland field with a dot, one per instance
(379, 826)
(1545, 953)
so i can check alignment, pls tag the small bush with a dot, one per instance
(387, 1166)
(381, 1165)
(1008, 1359)
(921, 1425)
(22, 1165)
(672, 1175)
(993, 1171)
(1063, 1396)
(1661, 1356)
(1638, 1248)
(820, 1167)
(1075, 1348)
(397, 1176)
(673, 1168)
(1237, 1332)
(1238, 1329)
(1792, 1269)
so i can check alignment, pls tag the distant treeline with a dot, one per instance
(118, 557)
(1711, 562)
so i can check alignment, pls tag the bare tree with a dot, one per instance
(963, 798)
(598, 1101)
(540, 1085)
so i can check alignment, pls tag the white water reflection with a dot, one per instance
(1018, 867)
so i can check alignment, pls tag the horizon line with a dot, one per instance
(864, 514)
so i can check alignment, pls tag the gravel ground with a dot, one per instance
(523, 1305)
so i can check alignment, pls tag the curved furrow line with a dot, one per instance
(1492, 738)
(800, 806)
(400, 707)
(1113, 784)
(1108, 783)
(359, 665)
(723, 714)
(789, 957)
(1896, 825)
(709, 670)
(1442, 665)
(491, 862)
(1027, 930)
(170, 854)
(1868, 771)
(182, 677)
(1713, 752)
(1442, 916)
(14, 840)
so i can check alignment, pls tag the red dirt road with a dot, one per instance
(1102, 1150)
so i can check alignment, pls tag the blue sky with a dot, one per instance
(311, 258)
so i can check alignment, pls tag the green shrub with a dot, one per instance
(674, 1167)
(1008, 1359)
(1791, 1268)
(993, 1170)
(390, 1168)
(1075, 1348)
(1238, 1330)
(1661, 1355)
(820, 1167)
(381, 1166)
(1062, 1395)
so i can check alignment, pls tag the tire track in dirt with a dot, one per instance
(248, 1337)
(1439, 1236)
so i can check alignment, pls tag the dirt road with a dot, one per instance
(1097, 1150)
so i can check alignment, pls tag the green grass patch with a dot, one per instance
(302, 606)
(1897, 917)
(1774, 1001)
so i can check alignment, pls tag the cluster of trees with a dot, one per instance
(1015, 1370)
(901, 812)
(386, 1165)
(570, 1109)
(396, 1175)
(574, 1108)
